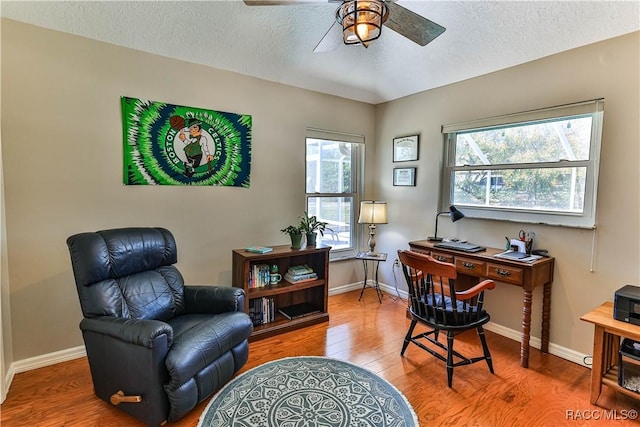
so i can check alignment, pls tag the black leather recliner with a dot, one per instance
(148, 337)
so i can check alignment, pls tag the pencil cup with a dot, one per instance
(529, 245)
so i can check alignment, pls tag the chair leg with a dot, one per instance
(449, 358)
(407, 338)
(485, 348)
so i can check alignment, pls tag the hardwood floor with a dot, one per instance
(552, 392)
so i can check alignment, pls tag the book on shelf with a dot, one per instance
(298, 310)
(258, 249)
(300, 269)
(262, 310)
(259, 276)
(291, 278)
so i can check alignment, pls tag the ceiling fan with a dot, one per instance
(360, 22)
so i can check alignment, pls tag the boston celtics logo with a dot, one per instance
(192, 145)
(174, 145)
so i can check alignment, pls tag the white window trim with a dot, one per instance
(358, 168)
(585, 220)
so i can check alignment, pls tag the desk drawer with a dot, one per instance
(505, 273)
(472, 267)
(421, 251)
(439, 256)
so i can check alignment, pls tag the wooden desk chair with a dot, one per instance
(436, 304)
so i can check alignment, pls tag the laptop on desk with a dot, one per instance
(460, 246)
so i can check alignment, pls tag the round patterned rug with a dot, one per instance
(308, 392)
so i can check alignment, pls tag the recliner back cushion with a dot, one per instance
(138, 250)
(147, 296)
(127, 273)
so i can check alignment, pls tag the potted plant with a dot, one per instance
(309, 225)
(295, 233)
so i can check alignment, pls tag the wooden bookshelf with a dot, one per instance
(285, 293)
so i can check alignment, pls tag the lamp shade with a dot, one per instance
(373, 212)
(361, 20)
(455, 213)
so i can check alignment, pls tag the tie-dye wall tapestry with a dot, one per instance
(167, 144)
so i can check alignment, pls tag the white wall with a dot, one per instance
(62, 149)
(6, 344)
(610, 70)
(6, 348)
(62, 152)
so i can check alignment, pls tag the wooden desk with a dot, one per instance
(472, 267)
(606, 343)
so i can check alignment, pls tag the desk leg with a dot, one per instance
(546, 316)
(526, 328)
(597, 363)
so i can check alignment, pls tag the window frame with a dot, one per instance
(586, 219)
(357, 185)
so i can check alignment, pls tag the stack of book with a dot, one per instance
(259, 276)
(262, 310)
(300, 273)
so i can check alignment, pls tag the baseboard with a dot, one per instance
(391, 290)
(78, 352)
(7, 381)
(345, 288)
(47, 359)
(535, 342)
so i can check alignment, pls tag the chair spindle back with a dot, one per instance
(432, 291)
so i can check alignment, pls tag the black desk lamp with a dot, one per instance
(455, 215)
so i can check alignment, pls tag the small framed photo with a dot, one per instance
(404, 177)
(405, 148)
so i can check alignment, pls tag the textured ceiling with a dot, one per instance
(276, 42)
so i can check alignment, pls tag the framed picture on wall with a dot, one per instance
(404, 177)
(405, 148)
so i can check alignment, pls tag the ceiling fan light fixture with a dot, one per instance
(361, 20)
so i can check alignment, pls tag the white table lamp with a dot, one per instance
(372, 212)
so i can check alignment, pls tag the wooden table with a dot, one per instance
(472, 267)
(606, 343)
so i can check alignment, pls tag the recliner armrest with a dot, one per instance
(132, 331)
(213, 299)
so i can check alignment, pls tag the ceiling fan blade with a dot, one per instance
(331, 40)
(407, 23)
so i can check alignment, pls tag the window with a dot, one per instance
(333, 180)
(539, 166)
